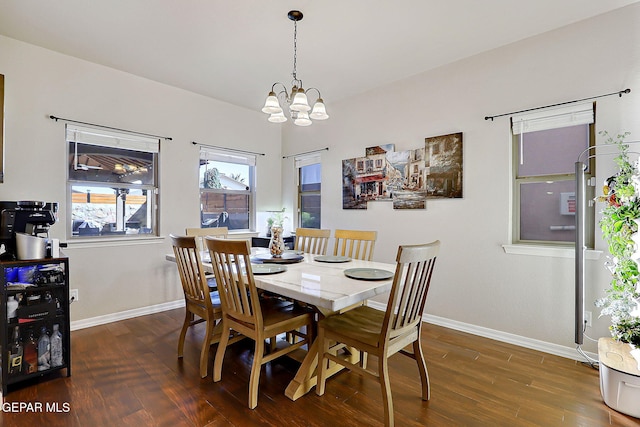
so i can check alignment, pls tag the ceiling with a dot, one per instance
(233, 50)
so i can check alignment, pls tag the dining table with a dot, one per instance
(329, 284)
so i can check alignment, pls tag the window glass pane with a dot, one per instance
(310, 210)
(553, 151)
(310, 177)
(224, 210)
(222, 175)
(547, 211)
(99, 211)
(309, 197)
(107, 164)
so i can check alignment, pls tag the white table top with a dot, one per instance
(322, 284)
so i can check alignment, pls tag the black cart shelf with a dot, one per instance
(42, 305)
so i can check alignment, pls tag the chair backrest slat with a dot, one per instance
(357, 244)
(408, 295)
(312, 240)
(194, 282)
(232, 267)
(201, 233)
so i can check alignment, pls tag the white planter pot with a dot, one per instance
(619, 377)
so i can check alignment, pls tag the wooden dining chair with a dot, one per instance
(356, 244)
(245, 312)
(312, 240)
(201, 305)
(384, 333)
(201, 233)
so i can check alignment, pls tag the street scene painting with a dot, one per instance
(406, 178)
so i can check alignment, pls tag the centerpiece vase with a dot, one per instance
(276, 244)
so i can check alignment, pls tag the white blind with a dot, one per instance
(109, 138)
(553, 118)
(306, 160)
(228, 157)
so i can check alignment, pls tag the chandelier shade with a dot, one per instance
(277, 117)
(271, 105)
(296, 101)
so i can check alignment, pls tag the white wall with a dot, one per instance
(39, 83)
(475, 281)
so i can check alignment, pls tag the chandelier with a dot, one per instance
(296, 99)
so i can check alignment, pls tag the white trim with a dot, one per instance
(546, 347)
(550, 251)
(123, 315)
(555, 349)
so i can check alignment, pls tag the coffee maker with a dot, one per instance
(30, 217)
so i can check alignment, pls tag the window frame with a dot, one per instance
(233, 157)
(555, 122)
(118, 140)
(300, 162)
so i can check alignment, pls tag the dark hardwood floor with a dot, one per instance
(127, 374)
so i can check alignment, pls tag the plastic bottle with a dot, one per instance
(44, 350)
(12, 307)
(56, 347)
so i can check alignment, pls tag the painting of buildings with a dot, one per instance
(407, 178)
(444, 166)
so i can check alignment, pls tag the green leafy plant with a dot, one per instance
(619, 225)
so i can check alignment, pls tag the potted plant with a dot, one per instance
(275, 220)
(619, 225)
(619, 375)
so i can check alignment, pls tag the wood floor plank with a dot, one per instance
(127, 373)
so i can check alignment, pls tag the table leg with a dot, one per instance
(306, 377)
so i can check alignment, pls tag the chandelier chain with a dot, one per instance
(295, 49)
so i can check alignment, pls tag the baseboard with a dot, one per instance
(555, 349)
(123, 315)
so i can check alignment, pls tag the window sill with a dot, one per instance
(549, 251)
(113, 241)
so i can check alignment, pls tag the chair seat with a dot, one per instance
(275, 311)
(363, 324)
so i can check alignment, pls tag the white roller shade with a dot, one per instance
(228, 157)
(306, 160)
(108, 138)
(553, 118)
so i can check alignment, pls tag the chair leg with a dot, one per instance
(254, 379)
(183, 332)
(385, 385)
(222, 346)
(206, 346)
(321, 369)
(422, 367)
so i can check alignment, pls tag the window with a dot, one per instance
(309, 186)
(112, 183)
(227, 189)
(546, 147)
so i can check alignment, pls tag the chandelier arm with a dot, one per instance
(273, 87)
(316, 89)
